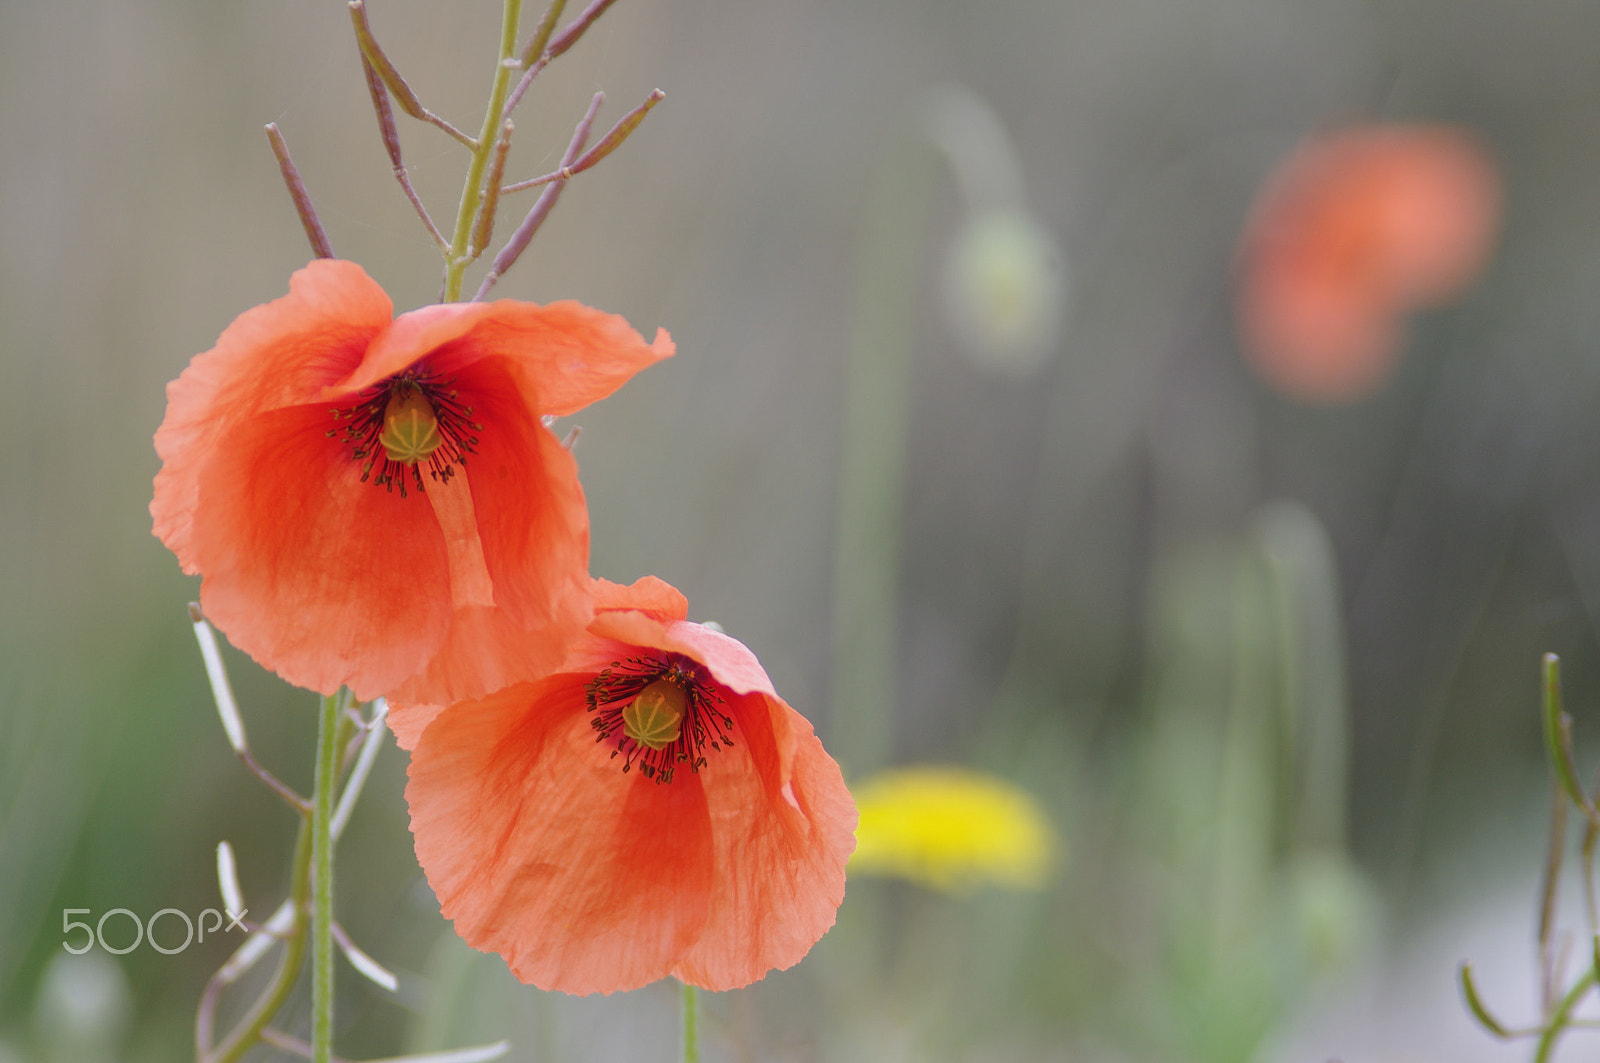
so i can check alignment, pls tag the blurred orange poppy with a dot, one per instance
(375, 501)
(652, 809)
(1353, 231)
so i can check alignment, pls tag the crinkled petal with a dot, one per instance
(440, 332)
(570, 355)
(587, 879)
(578, 355)
(540, 848)
(782, 828)
(729, 660)
(532, 594)
(278, 354)
(483, 650)
(320, 577)
(408, 719)
(530, 508)
(648, 594)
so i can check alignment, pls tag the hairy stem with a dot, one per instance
(322, 879)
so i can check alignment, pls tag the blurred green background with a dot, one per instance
(1270, 668)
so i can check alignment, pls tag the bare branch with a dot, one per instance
(528, 74)
(575, 29)
(541, 36)
(483, 226)
(534, 58)
(391, 144)
(294, 800)
(560, 43)
(297, 192)
(541, 208)
(475, 1054)
(607, 145)
(374, 971)
(407, 99)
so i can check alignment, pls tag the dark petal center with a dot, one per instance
(662, 710)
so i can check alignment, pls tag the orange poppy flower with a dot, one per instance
(374, 501)
(652, 809)
(1355, 230)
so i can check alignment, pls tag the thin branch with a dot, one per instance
(566, 39)
(472, 191)
(287, 924)
(574, 29)
(228, 881)
(1591, 837)
(371, 743)
(1558, 736)
(483, 227)
(228, 708)
(297, 192)
(326, 780)
(1480, 1011)
(1557, 1024)
(541, 36)
(476, 1054)
(277, 928)
(528, 74)
(391, 144)
(1548, 973)
(407, 99)
(217, 674)
(374, 971)
(607, 145)
(299, 804)
(547, 200)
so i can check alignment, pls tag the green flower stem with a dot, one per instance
(691, 1025)
(472, 192)
(248, 1033)
(1562, 1018)
(328, 727)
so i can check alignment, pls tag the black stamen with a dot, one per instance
(363, 424)
(703, 723)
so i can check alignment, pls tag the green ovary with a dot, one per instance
(410, 428)
(654, 718)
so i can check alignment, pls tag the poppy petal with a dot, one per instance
(571, 355)
(484, 649)
(539, 848)
(588, 879)
(408, 719)
(783, 827)
(575, 355)
(729, 659)
(430, 332)
(321, 577)
(531, 515)
(647, 594)
(277, 354)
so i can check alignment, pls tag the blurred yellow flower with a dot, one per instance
(951, 829)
